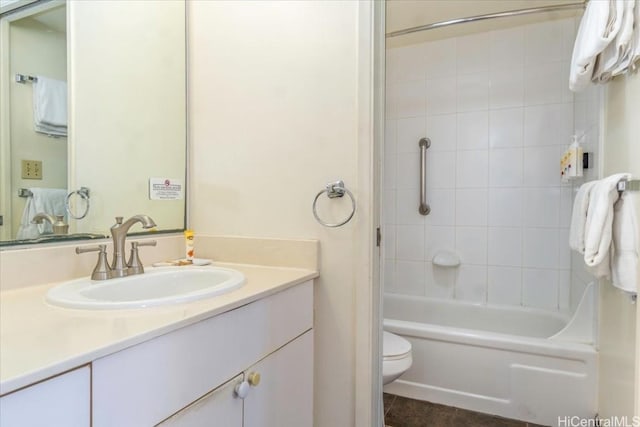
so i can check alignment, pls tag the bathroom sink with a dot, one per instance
(157, 286)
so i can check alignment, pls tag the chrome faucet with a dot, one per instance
(119, 267)
(57, 222)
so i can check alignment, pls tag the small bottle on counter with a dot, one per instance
(189, 248)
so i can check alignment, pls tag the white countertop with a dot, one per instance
(38, 340)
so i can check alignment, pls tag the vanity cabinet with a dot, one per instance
(187, 375)
(60, 401)
(275, 392)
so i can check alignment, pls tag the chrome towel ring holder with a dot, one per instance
(83, 192)
(334, 190)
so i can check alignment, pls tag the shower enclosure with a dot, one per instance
(493, 100)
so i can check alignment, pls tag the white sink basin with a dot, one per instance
(157, 286)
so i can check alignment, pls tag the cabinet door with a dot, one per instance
(284, 394)
(59, 401)
(218, 408)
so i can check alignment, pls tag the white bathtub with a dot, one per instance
(517, 363)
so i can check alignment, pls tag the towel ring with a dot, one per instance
(83, 192)
(334, 190)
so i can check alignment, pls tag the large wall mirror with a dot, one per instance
(92, 116)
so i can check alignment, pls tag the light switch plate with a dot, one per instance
(31, 169)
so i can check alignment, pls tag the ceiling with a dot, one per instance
(402, 14)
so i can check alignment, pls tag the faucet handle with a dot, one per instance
(119, 220)
(135, 265)
(101, 270)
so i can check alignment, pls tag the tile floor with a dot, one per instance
(403, 412)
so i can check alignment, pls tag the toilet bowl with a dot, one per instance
(396, 356)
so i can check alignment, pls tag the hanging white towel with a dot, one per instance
(612, 59)
(45, 200)
(50, 106)
(598, 227)
(625, 257)
(579, 217)
(597, 30)
(635, 55)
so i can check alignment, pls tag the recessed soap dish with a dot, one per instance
(446, 259)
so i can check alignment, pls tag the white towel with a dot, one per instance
(614, 55)
(579, 217)
(635, 55)
(45, 200)
(50, 106)
(598, 227)
(624, 260)
(597, 30)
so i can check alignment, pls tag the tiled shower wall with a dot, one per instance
(498, 111)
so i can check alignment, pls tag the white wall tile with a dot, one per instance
(505, 167)
(566, 206)
(410, 130)
(564, 252)
(442, 130)
(543, 42)
(389, 275)
(472, 169)
(389, 241)
(540, 248)
(410, 62)
(505, 285)
(506, 48)
(389, 206)
(390, 101)
(408, 175)
(564, 290)
(389, 171)
(505, 246)
(473, 130)
(438, 238)
(471, 207)
(410, 242)
(407, 207)
(441, 58)
(542, 166)
(471, 283)
(390, 137)
(548, 124)
(410, 277)
(471, 245)
(410, 99)
(541, 207)
(505, 207)
(440, 281)
(441, 96)
(473, 53)
(544, 83)
(443, 207)
(507, 88)
(505, 128)
(540, 288)
(392, 66)
(473, 92)
(441, 169)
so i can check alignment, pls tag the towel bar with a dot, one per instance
(23, 78)
(24, 192)
(631, 185)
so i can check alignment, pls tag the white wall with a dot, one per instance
(274, 115)
(127, 107)
(619, 391)
(498, 111)
(34, 50)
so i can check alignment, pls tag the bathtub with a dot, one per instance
(519, 363)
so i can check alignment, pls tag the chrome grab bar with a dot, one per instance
(424, 208)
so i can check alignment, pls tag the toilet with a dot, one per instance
(396, 356)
